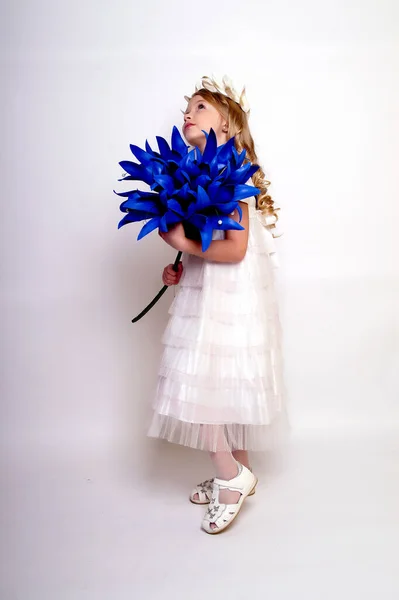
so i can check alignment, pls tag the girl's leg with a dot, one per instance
(225, 467)
(242, 457)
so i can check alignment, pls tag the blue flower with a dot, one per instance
(197, 189)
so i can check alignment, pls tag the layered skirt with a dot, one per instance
(220, 383)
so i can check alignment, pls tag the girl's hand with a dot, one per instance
(170, 277)
(175, 237)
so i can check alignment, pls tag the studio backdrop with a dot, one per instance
(81, 81)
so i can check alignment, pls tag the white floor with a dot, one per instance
(324, 524)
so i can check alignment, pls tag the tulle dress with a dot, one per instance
(220, 383)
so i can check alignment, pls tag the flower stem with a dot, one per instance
(160, 293)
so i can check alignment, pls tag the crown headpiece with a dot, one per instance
(225, 87)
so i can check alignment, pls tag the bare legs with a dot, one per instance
(219, 461)
(242, 457)
(225, 466)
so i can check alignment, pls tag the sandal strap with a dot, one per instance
(220, 514)
(224, 485)
(236, 484)
(241, 483)
(204, 490)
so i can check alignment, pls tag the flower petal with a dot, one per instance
(223, 222)
(140, 205)
(210, 148)
(163, 148)
(245, 191)
(144, 157)
(148, 227)
(203, 200)
(166, 181)
(136, 171)
(175, 206)
(178, 144)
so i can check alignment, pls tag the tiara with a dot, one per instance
(225, 87)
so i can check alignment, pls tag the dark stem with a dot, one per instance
(160, 293)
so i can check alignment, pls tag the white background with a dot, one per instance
(80, 82)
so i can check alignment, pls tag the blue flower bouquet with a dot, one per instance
(199, 190)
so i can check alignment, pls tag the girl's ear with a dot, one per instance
(225, 127)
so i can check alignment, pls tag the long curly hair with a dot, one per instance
(238, 127)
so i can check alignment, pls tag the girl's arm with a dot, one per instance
(230, 250)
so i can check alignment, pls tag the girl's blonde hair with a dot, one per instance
(238, 127)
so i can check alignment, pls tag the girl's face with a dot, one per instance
(199, 115)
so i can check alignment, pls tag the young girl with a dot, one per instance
(220, 379)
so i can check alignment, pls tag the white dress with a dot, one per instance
(220, 383)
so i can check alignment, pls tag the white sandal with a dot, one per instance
(204, 491)
(222, 515)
